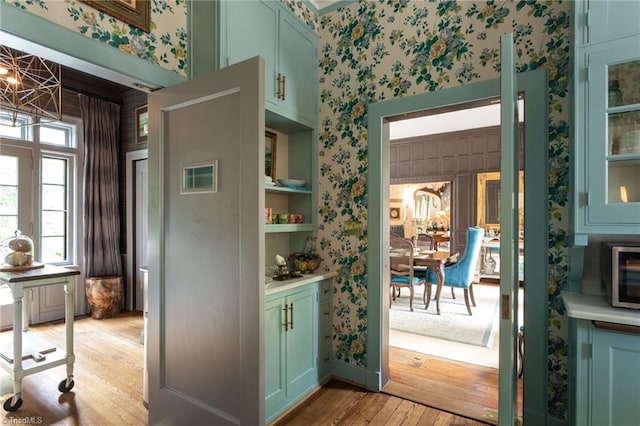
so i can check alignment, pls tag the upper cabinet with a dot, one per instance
(289, 48)
(606, 120)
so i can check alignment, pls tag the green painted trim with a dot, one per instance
(353, 373)
(204, 36)
(23, 30)
(534, 86)
(334, 7)
(509, 157)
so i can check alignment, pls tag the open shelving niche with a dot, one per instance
(295, 159)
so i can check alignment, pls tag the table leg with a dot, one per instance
(18, 374)
(440, 275)
(69, 290)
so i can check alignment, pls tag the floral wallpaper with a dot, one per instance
(376, 50)
(165, 45)
(372, 51)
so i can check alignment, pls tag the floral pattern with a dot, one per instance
(165, 45)
(372, 51)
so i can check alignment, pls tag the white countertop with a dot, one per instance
(278, 286)
(592, 307)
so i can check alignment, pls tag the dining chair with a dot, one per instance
(401, 266)
(461, 274)
(425, 242)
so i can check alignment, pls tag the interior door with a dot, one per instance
(206, 250)
(509, 180)
(141, 213)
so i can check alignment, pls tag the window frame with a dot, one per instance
(73, 154)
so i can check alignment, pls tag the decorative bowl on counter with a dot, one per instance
(305, 262)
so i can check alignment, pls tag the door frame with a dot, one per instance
(534, 86)
(131, 158)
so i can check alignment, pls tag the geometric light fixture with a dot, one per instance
(29, 85)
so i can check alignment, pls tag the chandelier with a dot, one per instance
(29, 85)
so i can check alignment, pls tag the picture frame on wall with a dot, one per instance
(394, 213)
(270, 144)
(133, 12)
(142, 124)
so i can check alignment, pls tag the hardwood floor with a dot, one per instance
(107, 376)
(453, 386)
(108, 386)
(339, 403)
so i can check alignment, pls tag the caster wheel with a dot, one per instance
(63, 387)
(8, 407)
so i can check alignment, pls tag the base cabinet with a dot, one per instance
(606, 382)
(291, 347)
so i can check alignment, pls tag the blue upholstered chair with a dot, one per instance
(401, 266)
(461, 273)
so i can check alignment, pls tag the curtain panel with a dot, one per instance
(101, 122)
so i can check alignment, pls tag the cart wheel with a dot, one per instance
(63, 387)
(8, 407)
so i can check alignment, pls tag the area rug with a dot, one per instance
(454, 323)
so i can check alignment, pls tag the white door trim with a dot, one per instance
(131, 158)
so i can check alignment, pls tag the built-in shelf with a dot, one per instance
(297, 227)
(286, 190)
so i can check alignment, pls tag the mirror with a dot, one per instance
(488, 201)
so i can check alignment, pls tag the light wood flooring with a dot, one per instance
(107, 376)
(108, 385)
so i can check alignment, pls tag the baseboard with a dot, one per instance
(359, 376)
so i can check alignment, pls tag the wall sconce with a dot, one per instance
(29, 85)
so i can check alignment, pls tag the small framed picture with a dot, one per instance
(199, 178)
(270, 144)
(394, 213)
(142, 124)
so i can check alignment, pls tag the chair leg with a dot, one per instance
(453, 295)
(428, 292)
(473, 299)
(411, 298)
(466, 300)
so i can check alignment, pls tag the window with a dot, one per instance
(39, 187)
(53, 214)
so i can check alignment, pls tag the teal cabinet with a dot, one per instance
(291, 347)
(604, 20)
(606, 121)
(606, 381)
(289, 47)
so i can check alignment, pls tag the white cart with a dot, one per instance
(26, 354)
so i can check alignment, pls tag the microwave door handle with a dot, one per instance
(622, 328)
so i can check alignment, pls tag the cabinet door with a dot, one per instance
(616, 378)
(251, 31)
(301, 342)
(612, 138)
(612, 19)
(274, 352)
(298, 63)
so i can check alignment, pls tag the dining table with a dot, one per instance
(434, 260)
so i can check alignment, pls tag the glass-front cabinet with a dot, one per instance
(608, 138)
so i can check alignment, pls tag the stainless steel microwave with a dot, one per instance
(620, 273)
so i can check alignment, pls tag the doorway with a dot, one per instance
(462, 143)
(137, 228)
(531, 85)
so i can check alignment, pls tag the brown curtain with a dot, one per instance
(101, 122)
